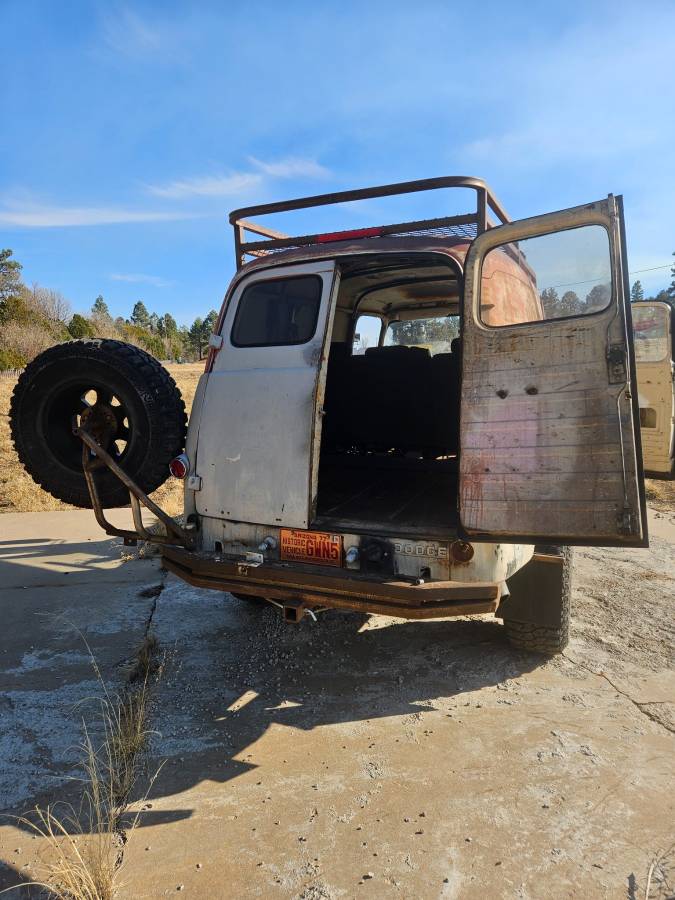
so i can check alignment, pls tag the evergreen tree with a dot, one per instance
(210, 323)
(550, 302)
(570, 304)
(196, 337)
(79, 327)
(671, 287)
(140, 315)
(598, 297)
(636, 292)
(10, 281)
(100, 308)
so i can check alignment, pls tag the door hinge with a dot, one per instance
(626, 521)
(194, 483)
(616, 363)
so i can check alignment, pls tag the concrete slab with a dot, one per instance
(62, 583)
(368, 756)
(373, 757)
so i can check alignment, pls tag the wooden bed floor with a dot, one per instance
(392, 497)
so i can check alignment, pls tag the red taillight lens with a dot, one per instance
(180, 466)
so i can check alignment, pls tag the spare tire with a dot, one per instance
(130, 401)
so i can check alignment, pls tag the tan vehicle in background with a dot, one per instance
(443, 470)
(654, 331)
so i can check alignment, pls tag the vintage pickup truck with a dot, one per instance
(416, 419)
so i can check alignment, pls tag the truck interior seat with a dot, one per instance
(391, 398)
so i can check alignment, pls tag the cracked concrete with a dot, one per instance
(62, 584)
(368, 756)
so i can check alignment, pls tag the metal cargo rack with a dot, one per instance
(466, 226)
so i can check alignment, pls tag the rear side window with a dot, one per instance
(277, 313)
(650, 333)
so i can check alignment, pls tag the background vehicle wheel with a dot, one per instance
(126, 398)
(553, 597)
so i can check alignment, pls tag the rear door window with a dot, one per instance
(278, 313)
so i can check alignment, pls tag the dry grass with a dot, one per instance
(661, 494)
(18, 491)
(83, 850)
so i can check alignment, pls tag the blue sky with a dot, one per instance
(131, 130)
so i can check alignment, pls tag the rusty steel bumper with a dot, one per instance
(303, 587)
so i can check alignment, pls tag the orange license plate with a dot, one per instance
(311, 547)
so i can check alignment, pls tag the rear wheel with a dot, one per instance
(125, 399)
(549, 634)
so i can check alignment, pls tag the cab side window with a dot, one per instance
(278, 313)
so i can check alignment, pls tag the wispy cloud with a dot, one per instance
(291, 167)
(236, 183)
(127, 34)
(139, 278)
(208, 186)
(35, 216)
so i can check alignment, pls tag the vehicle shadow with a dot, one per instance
(304, 677)
(227, 688)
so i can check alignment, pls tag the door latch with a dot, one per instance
(616, 363)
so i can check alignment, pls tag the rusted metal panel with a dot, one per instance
(411, 555)
(254, 450)
(397, 598)
(548, 444)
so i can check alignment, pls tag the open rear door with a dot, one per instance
(549, 433)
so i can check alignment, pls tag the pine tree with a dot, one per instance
(197, 336)
(100, 308)
(598, 297)
(550, 303)
(636, 292)
(570, 304)
(140, 315)
(79, 327)
(671, 287)
(10, 280)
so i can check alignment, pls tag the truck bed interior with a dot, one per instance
(389, 444)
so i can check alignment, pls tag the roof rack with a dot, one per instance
(467, 226)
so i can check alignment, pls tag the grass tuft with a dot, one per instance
(84, 846)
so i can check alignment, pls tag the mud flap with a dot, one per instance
(536, 592)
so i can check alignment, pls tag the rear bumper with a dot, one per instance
(305, 587)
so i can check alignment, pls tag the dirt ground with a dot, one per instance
(356, 756)
(365, 756)
(18, 491)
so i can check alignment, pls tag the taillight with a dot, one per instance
(461, 551)
(180, 466)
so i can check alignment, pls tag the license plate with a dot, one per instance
(311, 547)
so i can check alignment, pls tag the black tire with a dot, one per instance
(123, 392)
(548, 640)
